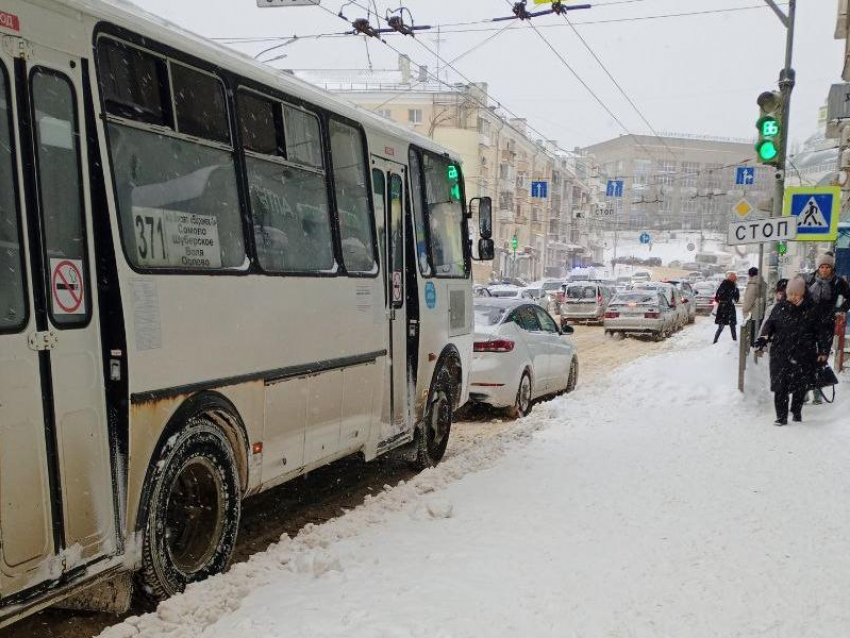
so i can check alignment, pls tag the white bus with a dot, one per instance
(213, 279)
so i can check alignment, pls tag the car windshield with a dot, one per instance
(639, 298)
(704, 289)
(535, 292)
(487, 315)
(551, 285)
(581, 292)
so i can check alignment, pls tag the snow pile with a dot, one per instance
(660, 502)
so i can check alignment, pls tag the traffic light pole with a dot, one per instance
(786, 86)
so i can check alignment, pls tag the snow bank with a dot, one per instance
(660, 502)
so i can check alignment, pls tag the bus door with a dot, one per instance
(57, 512)
(388, 179)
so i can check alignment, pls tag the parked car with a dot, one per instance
(694, 276)
(511, 292)
(689, 297)
(644, 312)
(480, 291)
(705, 292)
(585, 302)
(674, 298)
(641, 276)
(553, 288)
(519, 355)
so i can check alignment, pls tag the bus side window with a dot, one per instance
(177, 197)
(445, 217)
(287, 185)
(13, 311)
(350, 180)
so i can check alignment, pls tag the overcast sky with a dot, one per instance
(694, 74)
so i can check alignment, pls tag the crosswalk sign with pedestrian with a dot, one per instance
(817, 210)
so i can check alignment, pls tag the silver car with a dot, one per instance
(585, 301)
(674, 299)
(689, 297)
(643, 312)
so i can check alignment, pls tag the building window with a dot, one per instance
(414, 116)
(387, 113)
(690, 172)
(666, 170)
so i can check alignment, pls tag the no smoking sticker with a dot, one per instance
(66, 286)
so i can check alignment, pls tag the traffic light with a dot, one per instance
(769, 125)
(514, 243)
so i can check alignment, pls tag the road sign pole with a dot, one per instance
(786, 86)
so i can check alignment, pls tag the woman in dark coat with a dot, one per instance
(726, 296)
(792, 331)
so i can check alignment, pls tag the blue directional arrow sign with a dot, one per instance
(817, 210)
(540, 189)
(745, 175)
(645, 238)
(614, 188)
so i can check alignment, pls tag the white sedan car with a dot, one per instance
(519, 355)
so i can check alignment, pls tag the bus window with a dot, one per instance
(418, 215)
(199, 104)
(355, 219)
(289, 202)
(379, 196)
(12, 302)
(303, 137)
(445, 216)
(134, 84)
(177, 198)
(60, 188)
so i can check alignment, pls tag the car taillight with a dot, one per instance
(612, 314)
(559, 297)
(651, 314)
(495, 345)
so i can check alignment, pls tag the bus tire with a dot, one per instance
(432, 438)
(193, 517)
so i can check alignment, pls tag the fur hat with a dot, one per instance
(752, 272)
(825, 259)
(796, 286)
(781, 285)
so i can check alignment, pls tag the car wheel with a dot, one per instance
(522, 405)
(572, 380)
(618, 336)
(659, 336)
(433, 436)
(195, 505)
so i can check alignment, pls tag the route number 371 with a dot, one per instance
(150, 238)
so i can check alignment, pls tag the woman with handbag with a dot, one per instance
(792, 332)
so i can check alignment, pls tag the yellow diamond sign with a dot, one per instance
(743, 208)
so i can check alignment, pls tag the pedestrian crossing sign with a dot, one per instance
(817, 210)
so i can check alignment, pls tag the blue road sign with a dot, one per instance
(745, 175)
(817, 210)
(645, 238)
(614, 188)
(540, 189)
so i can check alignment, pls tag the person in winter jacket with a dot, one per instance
(726, 296)
(792, 333)
(831, 296)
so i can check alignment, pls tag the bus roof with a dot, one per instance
(137, 20)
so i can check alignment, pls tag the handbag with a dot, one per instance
(824, 377)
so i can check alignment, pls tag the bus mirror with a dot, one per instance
(486, 249)
(485, 216)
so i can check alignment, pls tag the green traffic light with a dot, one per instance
(769, 127)
(514, 243)
(767, 150)
(783, 248)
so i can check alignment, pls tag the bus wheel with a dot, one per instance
(193, 518)
(433, 437)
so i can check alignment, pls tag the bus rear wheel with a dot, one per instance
(193, 517)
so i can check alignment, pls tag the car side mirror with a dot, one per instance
(567, 330)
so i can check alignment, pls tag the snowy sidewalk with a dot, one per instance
(659, 502)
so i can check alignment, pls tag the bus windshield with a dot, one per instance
(444, 199)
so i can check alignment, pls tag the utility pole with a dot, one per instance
(786, 86)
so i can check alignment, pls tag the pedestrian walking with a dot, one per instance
(753, 293)
(726, 314)
(792, 332)
(831, 297)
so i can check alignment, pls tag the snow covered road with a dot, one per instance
(656, 502)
